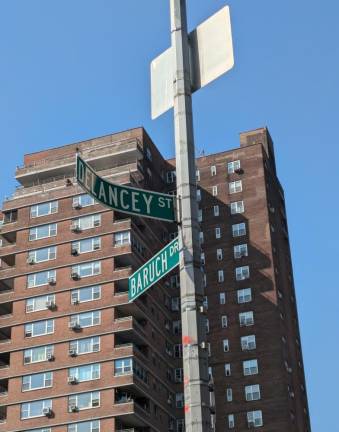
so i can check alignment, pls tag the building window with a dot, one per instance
(179, 400)
(237, 207)
(41, 255)
(199, 215)
(219, 254)
(202, 258)
(35, 304)
(88, 426)
(242, 273)
(86, 245)
(41, 278)
(214, 190)
(231, 422)
(235, 186)
(181, 425)
(35, 409)
(85, 346)
(201, 237)
(197, 175)
(122, 238)
(83, 200)
(250, 367)
(205, 302)
(39, 328)
(244, 295)
(216, 210)
(38, 354)
(37, 381)
(198, 195)
(246, 319)
(178, 350)
(86, 269)
(248, 343)
(224, 321)
(213, 170)
(226, 345)
(83, 295)
(176, 327)
(228, 369)
(175, 304)
(239, 229)
(240, 251)
(44, 209)
(86, 319)
(148, 154)
(233, 166)
(86, 222)
(220, 275)
(178, 375)
(170, 177)
(217, 232)
(254, 419)
(42, 231)
(252, 392)
(123, 366)
(82, 401)
(84, 373)
(229, 394)
(222, 298)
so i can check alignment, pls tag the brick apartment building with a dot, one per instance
(75, 356)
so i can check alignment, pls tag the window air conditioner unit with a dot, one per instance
(73, 408)
(28, 333)
(96, 247)
(239, 170)
(77, 205)
(75, 275)
(50, 304)
(72, 380)
(30, 260)
(50, 357)
(75, 301)
(27, 359)
(51, 281)
(72, 353)
(74, 251)
(75, 227)
(203, 345)
(29, 308)
(47, 412)
(73, 325)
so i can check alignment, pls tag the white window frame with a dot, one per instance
(171, 176)
(237, 207)
(235, 186)
(226, 345)
(52, 232)
(94, 266)
(229, 394)
(121, 238)
(232, 166)
(198, 195)
(222, 298)
(216, 210)
(77, 200)
(197, 175)
(95, 294)
(95, 372)
(244, 295)
(239, 229)
(50, 274)
(213, 170)
(199, 215)
(250, 367)
(219, 254)
(224, 321)
(47, 377)
(46, 403)
(240, 250)
(227, 369)
(217, 232)
(28, 353)
(248, 343)
(215, 190)
(230, 420)
(95, 244)
(242, 273)
(126, 367)
(94, 426)
(94, 221)
(51, 254)
(31, 303)
(95, 341)
(246, 319)
(73, 399)
(221, 277)
(94, 316)
(254, 419)
(53, 208)
(252, 392)
(29, 328)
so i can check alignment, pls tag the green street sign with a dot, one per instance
(155, 269)
(125, 199)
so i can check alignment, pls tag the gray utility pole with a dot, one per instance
(195, 356)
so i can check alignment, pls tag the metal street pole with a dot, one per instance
(195, 356)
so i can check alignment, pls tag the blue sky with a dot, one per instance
(72, 70)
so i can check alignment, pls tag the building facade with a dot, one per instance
(75, 356)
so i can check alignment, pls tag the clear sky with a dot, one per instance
(72, 70)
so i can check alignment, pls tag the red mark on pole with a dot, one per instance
(187, 340)
(186, 408)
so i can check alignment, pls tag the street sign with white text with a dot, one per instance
(125, 199)
(153, 270)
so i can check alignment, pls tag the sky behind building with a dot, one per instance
(75, 70)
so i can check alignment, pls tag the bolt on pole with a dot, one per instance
(195, 356)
